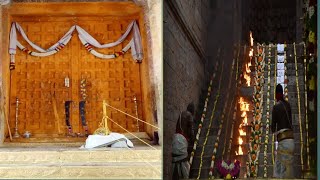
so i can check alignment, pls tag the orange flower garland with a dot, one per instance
(255, 139)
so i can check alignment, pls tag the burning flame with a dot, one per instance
(240, 151)
(245, 120)
(247, 78)
(251, 39)
(247, 68)
(244, 107)
(240, 140)
(242, 133)
(244, 114)
(251, 53)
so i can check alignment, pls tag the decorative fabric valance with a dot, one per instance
(86, 39)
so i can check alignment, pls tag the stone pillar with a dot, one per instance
(153, 24)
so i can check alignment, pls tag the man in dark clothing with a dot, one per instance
(182, 144)
(282, 127)
(281, 113)
(187, 126)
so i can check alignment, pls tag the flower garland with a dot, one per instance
(228, 168)
(216, 144)
(210, 124)
(203, 115)
(256, 129)
(299, 109)
(306, 104)
(285, 76)
(266, 141)
(90, 49)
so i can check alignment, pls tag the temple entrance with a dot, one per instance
(43, 85)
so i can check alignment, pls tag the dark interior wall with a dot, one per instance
(271, 21)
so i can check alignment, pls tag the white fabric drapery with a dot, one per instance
(86, 39)
(280, 65)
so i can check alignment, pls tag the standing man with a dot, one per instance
(282, 127)
(182, 143)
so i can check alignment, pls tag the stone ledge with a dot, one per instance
(81, 172)
(79, 156)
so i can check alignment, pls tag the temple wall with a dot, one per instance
(185, 71)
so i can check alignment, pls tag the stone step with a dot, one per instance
(74, 155)
(210, 141)
(213, 131)
(119, 171)
(203, 175)
(72, 162)
(208, 149)
(297, 173)
(205, 162)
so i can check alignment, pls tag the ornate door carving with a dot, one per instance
(35, 81)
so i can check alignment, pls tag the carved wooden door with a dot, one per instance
(39, 81)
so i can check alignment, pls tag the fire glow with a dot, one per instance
(240, 152)
(244, 108)
(246, 74)
(242, 133)
(247, 68)
(240, 141)
(247, 78)
(251, 52)
(251, 39)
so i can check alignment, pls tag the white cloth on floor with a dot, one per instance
(120, 144)
(281, 58)
(280, 66)
(280, 48)
(102, 141)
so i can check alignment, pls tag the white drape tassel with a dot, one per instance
(12, 62)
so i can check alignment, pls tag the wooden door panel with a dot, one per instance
(36, 80)
(115, 81)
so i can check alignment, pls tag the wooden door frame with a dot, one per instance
(73, 9)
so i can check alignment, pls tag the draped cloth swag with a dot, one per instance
(86, 39)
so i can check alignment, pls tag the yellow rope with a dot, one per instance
(132, 134)
(212, 114)
(132, 116)
(299, 110)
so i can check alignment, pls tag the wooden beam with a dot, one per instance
(74, 9)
